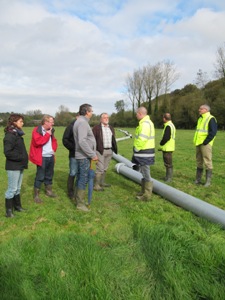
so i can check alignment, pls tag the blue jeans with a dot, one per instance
(45, 172)
(73, 166)
(15, 179)
(83, 173)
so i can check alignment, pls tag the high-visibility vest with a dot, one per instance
(202, 129)
(170, 145)
(144, 135)
(144, 143)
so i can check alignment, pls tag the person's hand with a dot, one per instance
(95, 158)
(49, 131)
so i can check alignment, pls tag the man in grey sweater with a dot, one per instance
(85, 152)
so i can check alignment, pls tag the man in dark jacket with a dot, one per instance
(106, 145)
(69, 143)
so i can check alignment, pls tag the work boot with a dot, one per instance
(208, 178)
(70, 186)
(49, 192)
(9, 208)
(148, 192)
(142, 188)
(102, 182)
(36, 196)
(199, 172)
(169, 174)
(80, 200)
(17, 203)
(97, 182)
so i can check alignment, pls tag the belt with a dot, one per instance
(107, 148)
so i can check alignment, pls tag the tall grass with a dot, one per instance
(121, 249)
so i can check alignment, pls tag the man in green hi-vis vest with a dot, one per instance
(203, 139)
(144, 152)
(167, 145)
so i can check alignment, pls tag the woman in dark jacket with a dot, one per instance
(16, 161)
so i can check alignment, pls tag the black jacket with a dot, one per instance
(15, 151)
(68, 139)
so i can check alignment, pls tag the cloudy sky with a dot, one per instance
(70, 52)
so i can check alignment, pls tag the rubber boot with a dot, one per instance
(102, 182)
(208, 178)
(148, 192)
(169, 174)
(9, 208)
(37, 199)
(199, 172)
(17, 203)
(142, 188)
(70, 186)
(80, 200)
(97, 182)
(49, 192)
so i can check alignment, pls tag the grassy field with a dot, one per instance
(121, 249)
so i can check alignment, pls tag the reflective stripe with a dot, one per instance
(144, 154)
(146, 136)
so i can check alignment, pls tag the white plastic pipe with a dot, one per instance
(124, 138)
(195, 205)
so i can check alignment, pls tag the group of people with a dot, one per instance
(88, 147)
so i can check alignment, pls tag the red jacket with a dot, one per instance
(37, 142)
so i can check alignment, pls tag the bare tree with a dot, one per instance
(220, 62)
(170, 75)
(148, 85)
(158, 82)
(134, 87)
(201, 79)
(149, 80)
(130, 88)
(138, 82)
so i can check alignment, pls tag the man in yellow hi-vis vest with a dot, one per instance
(144, 151)
(167, 145)
(203, 139)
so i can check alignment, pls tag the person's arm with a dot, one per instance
(38, 139)
(166, 136)
(211, 131)
(9, 148)
(68, 139)
(83, 131)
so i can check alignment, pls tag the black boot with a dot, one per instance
(17, 203)
(198, 176)
(70, 186)
(9, 208)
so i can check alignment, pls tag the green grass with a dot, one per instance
(121, 249)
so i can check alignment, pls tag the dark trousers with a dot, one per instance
(45, 172)
(167, 158)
